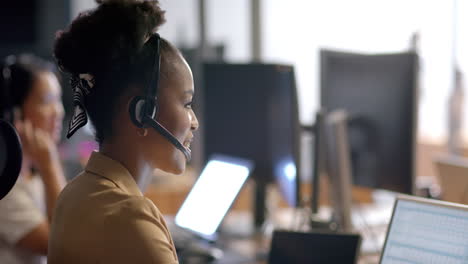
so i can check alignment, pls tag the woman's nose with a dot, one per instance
(194, 121)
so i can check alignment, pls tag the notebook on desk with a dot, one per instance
(426, 231)
(208, 201)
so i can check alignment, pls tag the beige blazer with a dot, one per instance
(102, 217)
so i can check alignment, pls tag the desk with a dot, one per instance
(236, 234)
(168, 194)
(254, 248)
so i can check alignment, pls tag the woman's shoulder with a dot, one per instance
(139, 206)
(89, 196)
(94, 191)
(139, 214)
(88, 185)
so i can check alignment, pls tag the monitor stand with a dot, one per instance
(260, 191)
(336, 155)
(316, 221)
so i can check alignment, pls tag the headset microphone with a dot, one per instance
(163, 131)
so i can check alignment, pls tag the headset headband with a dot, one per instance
(153, 82)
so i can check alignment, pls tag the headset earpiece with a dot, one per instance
(6, 107)
(136, 109)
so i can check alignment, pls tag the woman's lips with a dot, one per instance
(187, 143)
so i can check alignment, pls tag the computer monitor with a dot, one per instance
(250, 111)
(426, 231)
(379, 94)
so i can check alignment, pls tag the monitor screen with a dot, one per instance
(378, 93)
(250, 111)
(426, 231)
(213, 194)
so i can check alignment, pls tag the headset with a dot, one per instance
(7, 109)
(144, 109)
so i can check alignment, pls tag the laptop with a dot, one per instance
(313, 247)
(210, 198)
(453, 177)
(426, 231)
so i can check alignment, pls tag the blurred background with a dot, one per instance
(292, 34)
(273, 32)
(270, 31)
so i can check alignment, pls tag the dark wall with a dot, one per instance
(30, 26)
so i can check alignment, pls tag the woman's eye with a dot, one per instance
(189, 105)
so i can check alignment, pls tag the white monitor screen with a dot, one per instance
(427, 233)
(212, 194)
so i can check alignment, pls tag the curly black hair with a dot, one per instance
(108, 42)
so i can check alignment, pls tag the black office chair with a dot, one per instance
(11, 157)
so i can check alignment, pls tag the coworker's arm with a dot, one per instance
(42, 151)
(52, 176)
(37, 240)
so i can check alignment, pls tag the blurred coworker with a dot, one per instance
(31, 96)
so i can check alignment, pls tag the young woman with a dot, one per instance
(31, 94)
(137, 90)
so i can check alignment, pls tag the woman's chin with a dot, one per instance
(180, 163)
(178, 168)
(173, 163)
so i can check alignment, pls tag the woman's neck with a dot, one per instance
(130, 159)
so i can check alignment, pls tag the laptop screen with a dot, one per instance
(427, 231)
(313, 247)
(213, 194)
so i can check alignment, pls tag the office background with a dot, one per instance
(293, 33)
(290, 33)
